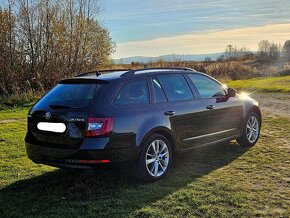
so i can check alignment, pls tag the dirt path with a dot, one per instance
(274, 103)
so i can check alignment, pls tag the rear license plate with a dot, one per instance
(51, 127)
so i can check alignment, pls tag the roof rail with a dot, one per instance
(112, 70)
(99, 72)
(132, 72)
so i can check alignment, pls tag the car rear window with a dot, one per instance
(66, 96)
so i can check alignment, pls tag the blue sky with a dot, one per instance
(147, 19)
(159, 27)
(143, 21)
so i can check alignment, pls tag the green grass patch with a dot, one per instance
(224, 180)
(14, 113)
(263, 84)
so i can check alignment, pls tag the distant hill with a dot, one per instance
(171, 57)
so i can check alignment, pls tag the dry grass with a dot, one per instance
(227, 70)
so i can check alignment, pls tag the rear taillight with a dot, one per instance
(99, 127)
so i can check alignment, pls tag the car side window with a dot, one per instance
(135, 92)
(175, 87)
(207, 87)
(159, 95)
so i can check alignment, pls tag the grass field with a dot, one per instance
(224, 180)
(263, 84)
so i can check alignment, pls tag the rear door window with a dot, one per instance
(175, 87)
(134, 92)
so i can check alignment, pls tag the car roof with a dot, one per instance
(124, 73)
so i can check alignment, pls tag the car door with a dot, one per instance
(132, 111)
(175, 104)
(224, 114)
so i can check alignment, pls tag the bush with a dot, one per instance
(223, 70)
(19, 99)
(231, 70)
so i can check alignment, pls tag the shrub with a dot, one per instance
(232, 70)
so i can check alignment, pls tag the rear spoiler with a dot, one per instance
(99, 72)
(83, 81)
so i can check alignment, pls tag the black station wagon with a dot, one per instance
(144, 115)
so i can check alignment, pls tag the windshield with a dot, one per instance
(70, 96)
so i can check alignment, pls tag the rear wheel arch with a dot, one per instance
(165, 132)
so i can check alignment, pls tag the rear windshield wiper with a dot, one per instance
(58, 106)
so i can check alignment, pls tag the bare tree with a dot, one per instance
(286, 49)
(264, 48)
(269, 51)
(43, 41)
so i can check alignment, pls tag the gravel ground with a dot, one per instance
(274, 103)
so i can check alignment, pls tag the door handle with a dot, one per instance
(210, 107)
(169, 113)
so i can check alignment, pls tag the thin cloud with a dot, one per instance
(204, 42)
(170, 6)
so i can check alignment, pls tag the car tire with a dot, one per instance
(155, 158)
(251, 130)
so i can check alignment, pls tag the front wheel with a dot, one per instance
(251, 130)
(155, 158)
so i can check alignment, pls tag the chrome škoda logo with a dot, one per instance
(47, 115)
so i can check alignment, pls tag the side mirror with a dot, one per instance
(231, 92)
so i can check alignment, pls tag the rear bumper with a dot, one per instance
(71, 158)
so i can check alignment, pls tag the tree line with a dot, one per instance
(267, 52)
(42, 41)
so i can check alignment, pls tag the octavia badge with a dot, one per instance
(47, 115)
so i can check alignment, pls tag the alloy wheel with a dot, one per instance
(157, 158)
(252, 129)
